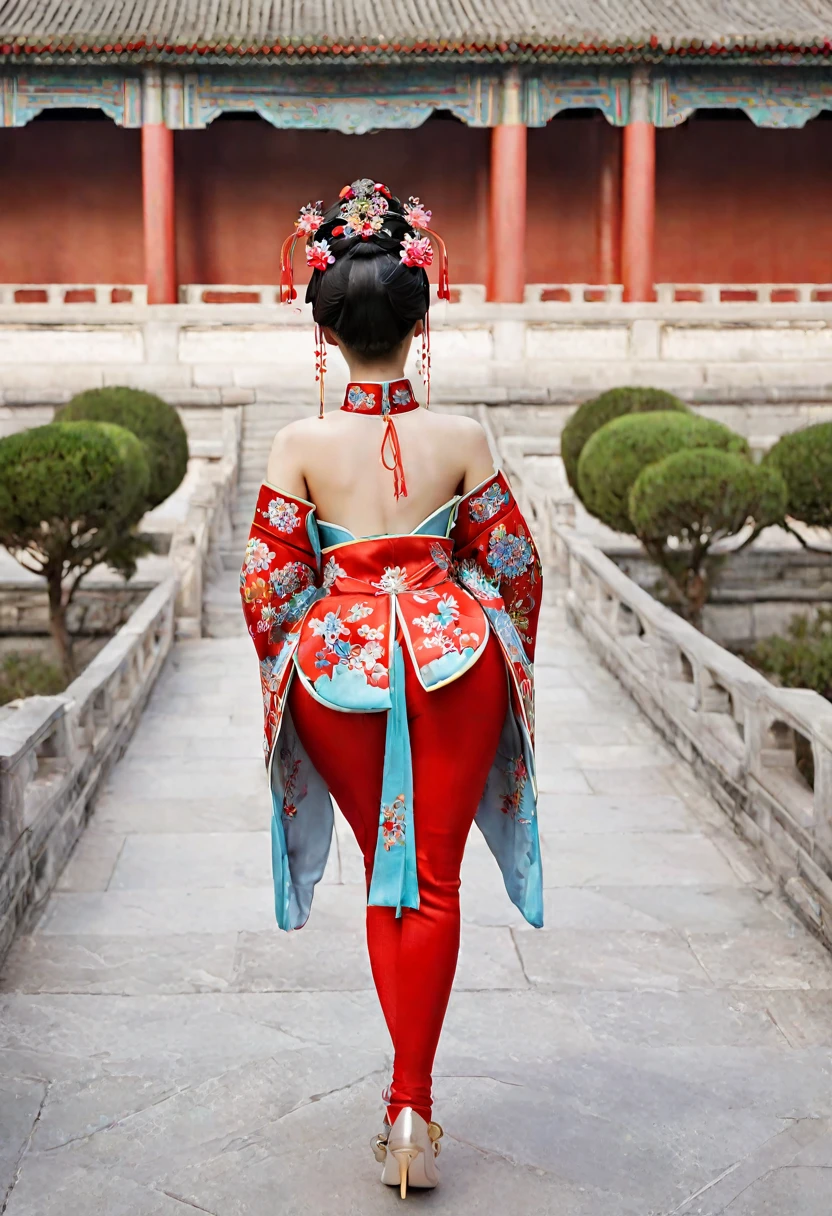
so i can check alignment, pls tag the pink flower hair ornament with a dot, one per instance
(319, 255)
(364, 208)
(416, 250)
(417, 214)
(310, 219)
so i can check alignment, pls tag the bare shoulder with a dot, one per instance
(463, 429)
(286, 459)
(468, 441)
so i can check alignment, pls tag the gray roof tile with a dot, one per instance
(542, 24)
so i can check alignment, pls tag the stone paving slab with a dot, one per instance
(660, 1048)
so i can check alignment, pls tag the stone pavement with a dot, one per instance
(661, 1047)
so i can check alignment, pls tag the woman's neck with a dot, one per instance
(377, 371)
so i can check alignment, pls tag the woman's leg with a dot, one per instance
(454, 733)
(347, 749)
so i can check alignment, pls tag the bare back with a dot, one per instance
(335, 463)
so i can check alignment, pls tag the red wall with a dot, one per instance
(71, 207)
(743, 204)
(735, 203)
(241, 184)
(563, 168)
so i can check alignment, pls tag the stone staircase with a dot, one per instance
(221, 607)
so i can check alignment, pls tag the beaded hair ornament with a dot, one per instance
(364, 211)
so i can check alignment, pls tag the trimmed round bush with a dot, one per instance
(615, 455)
(701, 494)
(592, 415)
(151, 419)
(804, 459)
(88, 474)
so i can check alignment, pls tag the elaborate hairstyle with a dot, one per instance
(368, 254)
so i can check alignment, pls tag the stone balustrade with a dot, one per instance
(55, 752)
(764, 367)
(198, 539)
(765, 752)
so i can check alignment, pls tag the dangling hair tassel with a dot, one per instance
(391, 436)
(320, 366)
(443, 289)
(287, 274)
(424, 360)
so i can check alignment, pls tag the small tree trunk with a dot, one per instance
(58, 605)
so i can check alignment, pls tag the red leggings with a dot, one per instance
(454, 733)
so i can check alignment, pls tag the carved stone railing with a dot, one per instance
(765, 752)
(197, 541)
(56, 751)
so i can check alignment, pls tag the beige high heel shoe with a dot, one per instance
(409, 1152)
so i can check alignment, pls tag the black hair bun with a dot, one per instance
(367, 296)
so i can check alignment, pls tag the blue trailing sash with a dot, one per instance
(394, 883)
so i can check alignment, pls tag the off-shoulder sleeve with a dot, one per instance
(495, 552)
(280, 574)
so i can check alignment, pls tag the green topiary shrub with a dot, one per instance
(592, 415)
(804, 458)
(28, 675)
(802, 659)
(682, 505)
(155, 422)
(615, 455)
(71, 494)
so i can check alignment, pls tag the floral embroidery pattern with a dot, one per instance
(518, 775)
(439, 630)
(338, 650)
(488, 504)
(470, 574)
(519, 612)
(331, 572)
(402, 396)
(392, 823)
(509, 555)
(440, 557)
(290, 765)
(257, 589)
(258, 556)
(393, 580)
(358, 612)
(296, 581)
(358, 399)
(282, 515)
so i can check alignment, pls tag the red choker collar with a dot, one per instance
(390, 397)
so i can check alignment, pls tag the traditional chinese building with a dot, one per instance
(172, 143)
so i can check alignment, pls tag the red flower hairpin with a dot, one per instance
(310, 219)
(319, 255)
(416, 250)
(417, 214)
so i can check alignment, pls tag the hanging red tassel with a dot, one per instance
(287, 274)
(320, 367)
(443, 289)
(425, 358)
(391, 436)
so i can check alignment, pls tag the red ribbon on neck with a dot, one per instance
(391, 436)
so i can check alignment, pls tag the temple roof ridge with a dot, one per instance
(388, 30)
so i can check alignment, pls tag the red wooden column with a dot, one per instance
(158, 196)
(638, 194)
(506, 278)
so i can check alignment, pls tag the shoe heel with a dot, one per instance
(403, 1157)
